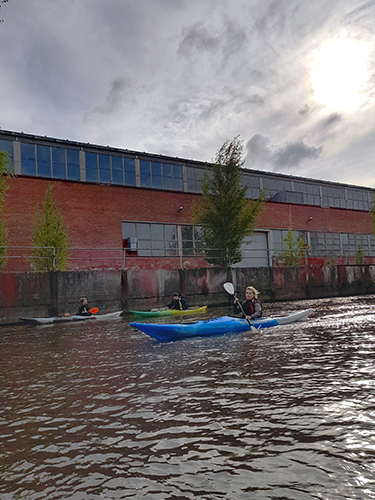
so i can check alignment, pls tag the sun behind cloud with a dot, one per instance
(339, 72)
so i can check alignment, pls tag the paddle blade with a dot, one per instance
(228, 287)
(93, 310)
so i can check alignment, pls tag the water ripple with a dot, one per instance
(93, 411)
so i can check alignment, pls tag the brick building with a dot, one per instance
(131, 209)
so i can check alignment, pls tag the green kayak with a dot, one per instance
(168, 312)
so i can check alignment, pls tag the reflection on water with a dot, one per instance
(98, 410)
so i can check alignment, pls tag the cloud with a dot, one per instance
(180, 77)
(331, 120)
(197, 37)
(122, 92)
(293, 154)
(260, 154)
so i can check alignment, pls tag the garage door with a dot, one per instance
(255, 254)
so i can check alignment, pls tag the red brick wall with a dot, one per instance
(93, 213)
(283, 216)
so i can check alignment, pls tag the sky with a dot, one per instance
(294, 79)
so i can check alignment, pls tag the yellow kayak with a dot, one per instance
(169, 312)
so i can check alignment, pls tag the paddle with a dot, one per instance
(229, 288)
(93, 310)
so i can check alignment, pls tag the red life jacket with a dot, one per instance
(251, 306)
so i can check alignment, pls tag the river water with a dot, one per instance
(97, 410)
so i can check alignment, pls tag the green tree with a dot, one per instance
(49, 238)
(5, 173)
(372, 215)
(224, 214)
(293, 249)
(359, 256)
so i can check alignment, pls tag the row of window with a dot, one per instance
(161, 240)
(321, 244)
(108, 169)
(44, 161)
(64, 163)
(297, 192)
(160, 175)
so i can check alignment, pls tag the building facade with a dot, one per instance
(133, 209)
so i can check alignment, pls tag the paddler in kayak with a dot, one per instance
(251, 306)
(84, 308)
(178, 303)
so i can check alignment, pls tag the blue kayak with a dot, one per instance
(216, 326)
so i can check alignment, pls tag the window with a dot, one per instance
(252, 186)
(117, 171)
(365, 244)
(199, 176)
(191, 241)
(145, 173)
(72, 158)
(129, 172)
(333, 197)
(163, 240)
(7, 146)
(43, 161)
(357, 200)
(321, 244)
(334, 244)
(46, 161)
(193, 178)
(58, 163)
(187, 240)
(164, 176)
(283, 185)
(372, 244)
(157, 239)
(167, 176)
(156, 175)
(171, 239)
(144, 239)
(311, 195)
(273, 187)
(91, 167)
(128, 230)
(360, 244)
(27, 159)
(264, 182)
(104, 169)
(277, 241)
(345, 243)
(314, 246)
(177, 177)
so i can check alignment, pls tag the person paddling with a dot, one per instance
(177, 303)
(84, 308)
(251, 306)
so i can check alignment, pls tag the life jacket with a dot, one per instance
(177, 304)
(251, 305)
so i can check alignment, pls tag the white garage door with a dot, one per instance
(255, 254)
